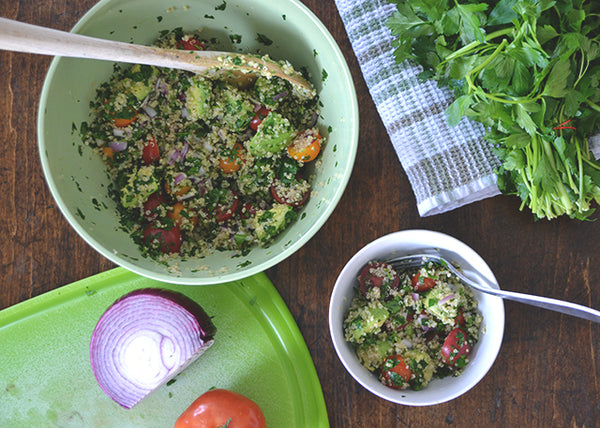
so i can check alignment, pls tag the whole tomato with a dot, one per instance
(222, 408)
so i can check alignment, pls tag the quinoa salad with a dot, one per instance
(411, 326)
(203, 163)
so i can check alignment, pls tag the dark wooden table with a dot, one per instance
(548, 371)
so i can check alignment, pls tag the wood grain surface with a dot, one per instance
(548, 371)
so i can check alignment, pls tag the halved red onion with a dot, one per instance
(118, 146)
(146, 338)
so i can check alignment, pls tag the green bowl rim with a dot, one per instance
(246, 272)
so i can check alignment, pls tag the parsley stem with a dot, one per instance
(468, 48)
(592, 164)
(562, 192)
(593, 105)
(580, 167)
(490, 58)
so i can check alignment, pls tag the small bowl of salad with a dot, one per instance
(199, 179)
(415, 335)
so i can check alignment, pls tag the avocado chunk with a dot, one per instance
(140, 81)
(198, 99)
(364, 321)
(422, 368)
(140, 185)
(274, 134)
(440, 301)
(372, 355)
(269, 223)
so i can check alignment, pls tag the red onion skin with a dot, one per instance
(205, 335)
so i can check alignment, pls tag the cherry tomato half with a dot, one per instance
(124, 117)
(232, 160)
(422, 283)
(150, 152)
(456, 349)
(259, 117)
(306, 146)
(395, 373)
(226, 206)
(179, 213)
(460, 319)
(248, 210)
(222, 408)
(378, 274)
(191, 44)
(154, 201)
(295, 194)
(108, 152)
(167, 240)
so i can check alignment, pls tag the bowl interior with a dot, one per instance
(78, 180)
(492, 308)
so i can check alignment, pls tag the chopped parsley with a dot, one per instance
(261, 38)
(324, 75)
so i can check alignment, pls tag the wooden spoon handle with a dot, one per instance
(28, 38)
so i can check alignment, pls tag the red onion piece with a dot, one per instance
(160, 86)
(144, 339)
(149, 111)
(185, 150)
(314, 119)
(279, 96)
(118, 146)
(446, 298)
(179, 178)
(174, 157)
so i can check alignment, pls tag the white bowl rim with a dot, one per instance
(493, 335)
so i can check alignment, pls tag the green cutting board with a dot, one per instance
(46, 379)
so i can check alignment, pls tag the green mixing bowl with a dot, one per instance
(78, 178)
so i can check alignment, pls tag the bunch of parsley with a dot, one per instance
(528, 70)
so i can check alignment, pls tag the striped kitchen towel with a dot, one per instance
(447, 167)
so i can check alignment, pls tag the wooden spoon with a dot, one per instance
(28, 38)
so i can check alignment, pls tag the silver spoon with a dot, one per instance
(28, 38)
(482, 284)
